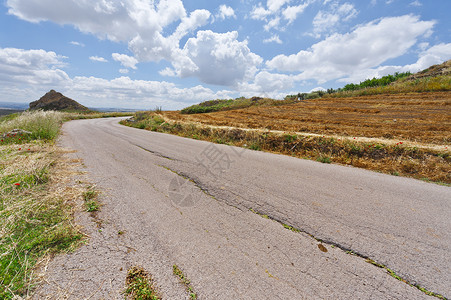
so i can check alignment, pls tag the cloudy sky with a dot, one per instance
(173, 53)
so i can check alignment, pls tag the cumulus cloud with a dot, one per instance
(140, 23)
(434, 55)
(27, 74)
(266, 83)
(226, 12)
(367, 46)
(326, 21)
(98, 58)
(31, 66)
(217, 58)
(125, 60)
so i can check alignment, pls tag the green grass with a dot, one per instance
(404, 85)
(90, 196)
(42, 125)
(140, 285)
(185, 281)
(33, 222)
(230, 104)
(324, 159)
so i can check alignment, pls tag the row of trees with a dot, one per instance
(383, 81)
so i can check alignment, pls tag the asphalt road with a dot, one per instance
(192, 203)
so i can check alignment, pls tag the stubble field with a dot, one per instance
(417, 117)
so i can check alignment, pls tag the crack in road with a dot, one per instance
(348, 250)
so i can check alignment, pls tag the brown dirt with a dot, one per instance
(416, 117)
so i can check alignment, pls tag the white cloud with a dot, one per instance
(265, 82)
(153, 31)
(324, 22)
(125, 60)
(140, 23)
(226, 12)
(273, 23)
(367, 46)
(275, 38)
(318, 88)
(77, 43)
(259, 12)
(275, 5)
(276, 10)
(25, 75)
(98, 58)
(123, 71)
(217, 58)
(31, 66)
(291, 12)
(416, 3)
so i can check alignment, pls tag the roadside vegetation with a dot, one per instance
(37, 199)
(140, 285)
(185, 281)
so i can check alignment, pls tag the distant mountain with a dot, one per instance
(57, 101)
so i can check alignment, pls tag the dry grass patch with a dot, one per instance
(36, 209)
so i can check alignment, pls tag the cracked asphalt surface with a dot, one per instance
(187, 202)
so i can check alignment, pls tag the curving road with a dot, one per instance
(199, 205)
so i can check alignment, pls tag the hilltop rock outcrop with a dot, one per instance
(57, 101)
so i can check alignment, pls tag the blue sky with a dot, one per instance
(173, 53)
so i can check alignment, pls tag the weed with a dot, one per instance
(255, 146)
(90, 196)
(140, 285)
(324, 159)
(186, 282)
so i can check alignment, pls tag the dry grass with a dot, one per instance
(416, 117)
(37, 202)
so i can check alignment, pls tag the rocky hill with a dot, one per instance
(57, 101)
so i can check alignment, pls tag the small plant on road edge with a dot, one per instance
(186, 282)
(90, 199)
(140, 285)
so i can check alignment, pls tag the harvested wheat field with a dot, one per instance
(417, 117)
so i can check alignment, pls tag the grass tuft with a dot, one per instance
(140, 285)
